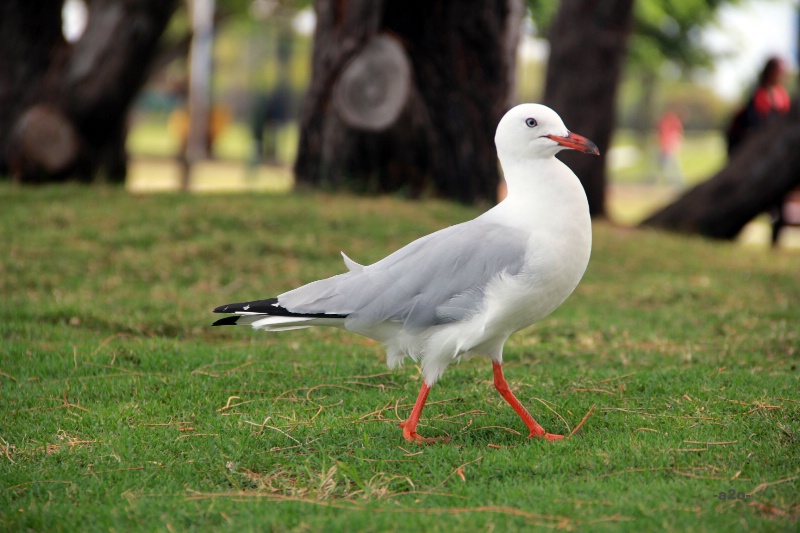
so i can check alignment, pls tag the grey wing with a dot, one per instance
(437, 279)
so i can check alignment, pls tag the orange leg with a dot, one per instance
(501, 385)
(410, 425)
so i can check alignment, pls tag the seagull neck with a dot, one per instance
(544, 196)
(538, 180)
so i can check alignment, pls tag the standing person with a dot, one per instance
(670, 137)
(769, 101)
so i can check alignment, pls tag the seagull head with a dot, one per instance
(536, 131)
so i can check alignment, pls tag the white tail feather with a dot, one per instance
(285, 323)
(352, 266)
(275, 323)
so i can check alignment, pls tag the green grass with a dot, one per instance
(122, 409)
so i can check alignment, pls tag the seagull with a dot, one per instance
(463, 290)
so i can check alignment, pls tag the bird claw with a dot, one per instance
(411, 435)
(548, 436)
(538, 432)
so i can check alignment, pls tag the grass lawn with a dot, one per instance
(123, 410)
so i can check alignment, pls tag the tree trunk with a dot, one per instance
(757, 178)
(439, 137)
(588, 40)
(29, 33)
(71, 118)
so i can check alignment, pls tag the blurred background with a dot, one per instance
(401, 98)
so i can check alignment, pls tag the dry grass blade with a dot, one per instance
(110, 338)
(229, 405)
(100, 472)
(459, 470)
(687, 471)
(327, 385)
(583, 420)
(587, 389)
(168, 424)
(793, 513)
(6, 449)
(763, 486)
(370, 376)
(377, 412)
(712, 443)
(198, 435)
(55, 481)
(66, 404)
(459, 415)
(264, 426)
(617, 378)
(554, 412)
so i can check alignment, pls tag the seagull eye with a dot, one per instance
(531, 122)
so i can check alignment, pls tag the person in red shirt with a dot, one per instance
(771, 98)
(769, 101)
(670, 136)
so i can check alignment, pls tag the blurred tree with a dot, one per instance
(662, 33)
(667, 33)
(758, 176)
(588, 40)
(407, 95)
(63, 106)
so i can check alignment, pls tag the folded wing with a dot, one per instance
(437, 279)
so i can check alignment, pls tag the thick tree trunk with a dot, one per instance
(588, 40)
(441, 136)
(71, 120)
(30, 34)
(757, 178)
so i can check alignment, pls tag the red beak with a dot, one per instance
(573, 141)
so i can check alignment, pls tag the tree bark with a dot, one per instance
(757, 178)
(74, 95)
(588, 40)
(30, 32)
(460, 86)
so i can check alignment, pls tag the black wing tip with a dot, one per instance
(227, 321)
(257, 306)
(270, 307)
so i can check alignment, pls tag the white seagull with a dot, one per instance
(463, 290)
